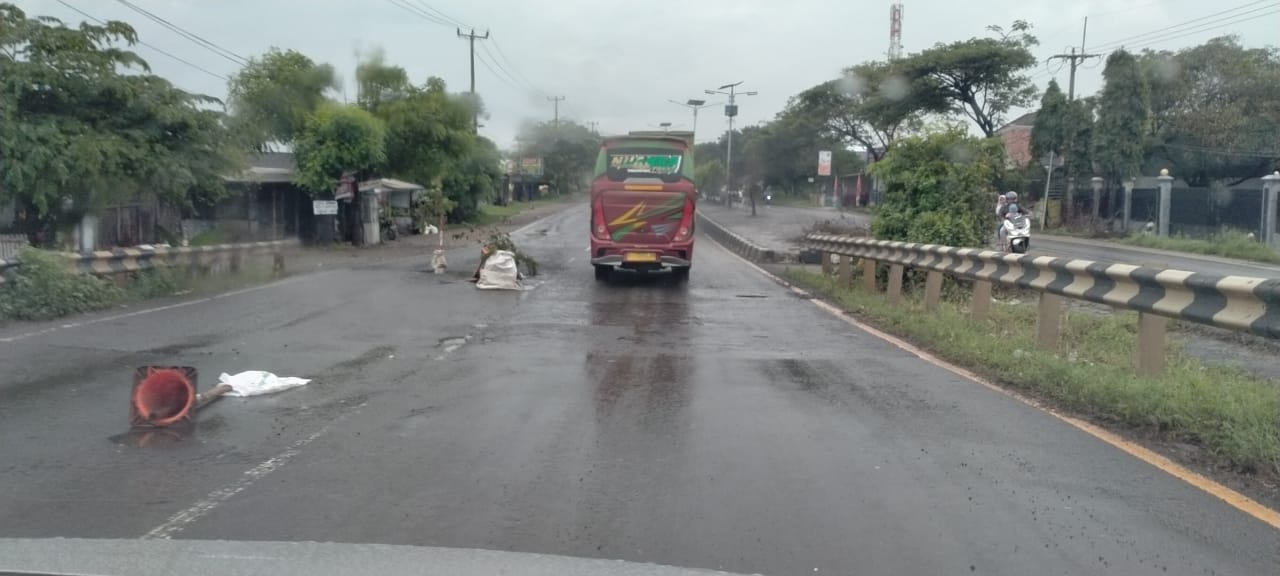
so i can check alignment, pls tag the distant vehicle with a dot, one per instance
(642, 205)
(1017, 232)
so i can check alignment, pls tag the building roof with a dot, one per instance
(1024, 121)
(268, 167)
(389, 185)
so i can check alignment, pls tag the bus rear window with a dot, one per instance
(629, 164)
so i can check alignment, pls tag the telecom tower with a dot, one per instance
(895, 31)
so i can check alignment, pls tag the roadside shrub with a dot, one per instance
(939, 189)
(45, 287)
(153, 283)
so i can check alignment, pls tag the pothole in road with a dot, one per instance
(452, 343)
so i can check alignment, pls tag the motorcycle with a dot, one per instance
(1017, 233)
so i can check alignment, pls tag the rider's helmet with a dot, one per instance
(1011, 196)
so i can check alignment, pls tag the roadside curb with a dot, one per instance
(735, 242)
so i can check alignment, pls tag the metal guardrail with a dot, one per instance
(1238, 303)
(195, 258)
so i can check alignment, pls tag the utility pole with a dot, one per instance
(730, 110)
(1073, 59)
(592, 124)
(471, 39)
(556, 100)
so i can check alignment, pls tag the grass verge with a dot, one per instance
(1229, 245)
(490, 214)
(1234, 416)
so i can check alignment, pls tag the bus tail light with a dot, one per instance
(598, 227)
(686, 223)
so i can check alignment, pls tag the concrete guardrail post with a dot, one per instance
(895, 282)
(1270, 191)
(1150, 352)
(826, 263)
(1166, 197)
(869, 275)
(845, 273)
(1047, 321)
(980, 308)
(235, 262)
(1096, 182)
(932, 290)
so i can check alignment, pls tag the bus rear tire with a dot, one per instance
(602, 272)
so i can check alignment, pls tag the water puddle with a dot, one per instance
(153, 437)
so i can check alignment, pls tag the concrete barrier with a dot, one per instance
(734, 242)
(195, 259)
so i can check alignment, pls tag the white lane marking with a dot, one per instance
(52, 329)
(181, 520)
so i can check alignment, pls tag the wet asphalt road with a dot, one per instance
(724, 424)
(778, 227)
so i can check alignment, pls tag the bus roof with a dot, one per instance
(673, 141)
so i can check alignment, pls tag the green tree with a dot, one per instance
(981, 78)
(709, 175)
(474, 177)
(336, 140)
(1050, 132)
(568, 151)
(428, 133)
(271, 98)
(938, 189)
(869, 107)
(1215, 116)
(378, 83)
(1120, 132)
(83, 123)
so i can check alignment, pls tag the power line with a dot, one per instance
(1185, 33)
(404, 5)
(212, 47)
(515, 68)
(453, 22)
(148, 45)
(495, 73)
(1192, 22)
(492, 58)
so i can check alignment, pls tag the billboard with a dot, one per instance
(824, 162)
(531, 166)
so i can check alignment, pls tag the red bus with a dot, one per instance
(642, 203)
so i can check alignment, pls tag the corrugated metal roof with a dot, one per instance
(389, 184)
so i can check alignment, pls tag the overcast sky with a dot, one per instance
(617, 63)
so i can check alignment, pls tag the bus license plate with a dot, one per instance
(640, 257)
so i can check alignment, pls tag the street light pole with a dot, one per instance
(730, 110)
(695, 105)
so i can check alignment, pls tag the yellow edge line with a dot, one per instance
(1235, 499)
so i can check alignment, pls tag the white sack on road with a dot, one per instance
(500, 272)
(257, 382)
